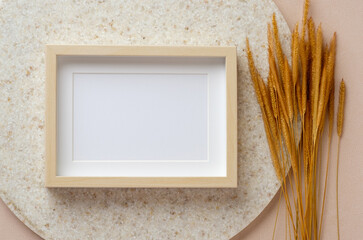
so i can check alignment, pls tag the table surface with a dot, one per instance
(344, 17)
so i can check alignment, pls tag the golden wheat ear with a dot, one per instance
(341, 108)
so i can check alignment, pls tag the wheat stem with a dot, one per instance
(331, 121)
(277, 214)
(337, 190)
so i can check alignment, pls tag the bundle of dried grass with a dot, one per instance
(294, 103)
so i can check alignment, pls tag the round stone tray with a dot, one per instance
(128, 213)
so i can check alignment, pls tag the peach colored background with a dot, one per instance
(346, 18)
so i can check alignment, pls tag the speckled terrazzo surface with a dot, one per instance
(26, 26)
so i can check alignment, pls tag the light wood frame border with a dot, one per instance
(52, 180)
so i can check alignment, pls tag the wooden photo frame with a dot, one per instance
(141, 116)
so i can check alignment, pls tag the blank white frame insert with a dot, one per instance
(136, 117)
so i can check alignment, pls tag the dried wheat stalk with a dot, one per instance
(339, 131)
